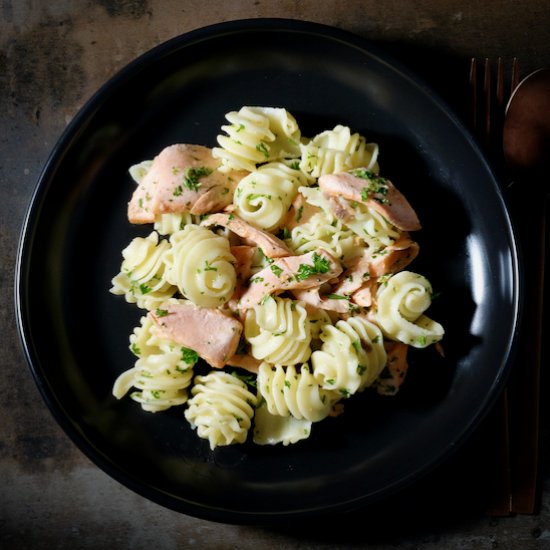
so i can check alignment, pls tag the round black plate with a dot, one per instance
(75, 333)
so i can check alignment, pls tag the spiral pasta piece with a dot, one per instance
(138, 171)
(372, 227)
(351, 357)
(265, 195)
(201, 265)
(169, 223)
(141, 279)
(337, 150)
(161, 374)
(221, 408)
(402, 300)
(288, 392)
(278, 331)
(271, 429)
(256, 135)
(324, 231)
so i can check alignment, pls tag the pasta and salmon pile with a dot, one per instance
(274, 280)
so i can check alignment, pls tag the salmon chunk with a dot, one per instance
(292, 272)
(182, 178)
(271, 246)
(364, 187)
(210, 332)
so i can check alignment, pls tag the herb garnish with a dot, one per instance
(376, 186)
(320, 265)
(189, 356)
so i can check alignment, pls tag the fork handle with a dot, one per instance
(525, 381)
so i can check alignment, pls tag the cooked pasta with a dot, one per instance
(291, 392)
(265, 195)
(271, 429)
(324, 231)
(351, 357)
(257, 135)
(138, 171)
(278, 331)
(372, 227)
(162, 372)
(402, 300)
(221, 408)
(166, 224)
(298, 282)
(141, 279)
(199, 262)
(337, 150)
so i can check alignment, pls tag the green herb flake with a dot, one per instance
(320, 265)
(262, 148)
(192, 177)
(276, 269)
(189, 356)
(337, 297)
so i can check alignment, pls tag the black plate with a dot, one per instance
(75, 333)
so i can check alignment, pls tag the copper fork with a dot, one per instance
(513, 488)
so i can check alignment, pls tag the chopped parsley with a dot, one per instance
(276, 269)
(191, 179)
(161, 312)
(262, 148)
(189, 356)
(375, 187)
(337, 297)
(144, 289)
(320, 265)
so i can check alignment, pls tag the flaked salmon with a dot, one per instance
(394, 372)
(292, 272)
(367, 188)
(210, 332)
(271, 246)
(182, 178)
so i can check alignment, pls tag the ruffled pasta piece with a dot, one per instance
(278, 331)
(167, 224)
(162, 372)
(322, 231)
(256, 135)
(372, 227)
(272, 429)
(138, 171)
(337, 150)
(221, 408)
(141, 279)
(351, 357)
(201, 265)
(265, 195)
(288, 392)
(402, 300)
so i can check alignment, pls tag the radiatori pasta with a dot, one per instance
(162, 372)
(402, 300)
(221, 408)
(141, 279)
(264, 196)
(199, 262)
(299, 300)
(279, 331)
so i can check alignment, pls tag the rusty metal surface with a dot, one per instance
(53, 56)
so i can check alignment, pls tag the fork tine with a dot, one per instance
(487, 108)
(473, 93)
